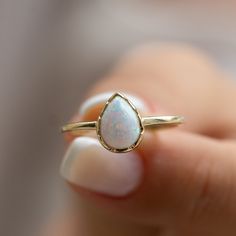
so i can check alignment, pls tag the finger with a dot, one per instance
(185, 178)
(89, 221)
(160, 184)
(61, 225)
(181, 79)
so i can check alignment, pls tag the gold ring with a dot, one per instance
(120, 127)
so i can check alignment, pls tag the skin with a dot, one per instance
(190, 172)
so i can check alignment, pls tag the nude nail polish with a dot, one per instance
(89, 165)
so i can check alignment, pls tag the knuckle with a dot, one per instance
(200, 204)
(215, 187)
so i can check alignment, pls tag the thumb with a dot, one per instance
(190, 178)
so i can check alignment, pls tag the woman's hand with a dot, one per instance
(179, 181)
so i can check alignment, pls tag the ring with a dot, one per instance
(120, 127)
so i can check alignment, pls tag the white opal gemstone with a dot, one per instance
(120, 124)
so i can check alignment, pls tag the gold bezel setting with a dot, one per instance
(146, 122)
(98, 126)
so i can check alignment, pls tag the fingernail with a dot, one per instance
(103, 97)
(87, 164)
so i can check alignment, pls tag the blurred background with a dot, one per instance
(51, 51)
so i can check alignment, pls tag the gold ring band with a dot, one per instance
(120, 126)
(148, 122)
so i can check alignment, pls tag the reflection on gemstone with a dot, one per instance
(120, 125)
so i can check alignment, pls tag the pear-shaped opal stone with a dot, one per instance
(120, 124)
